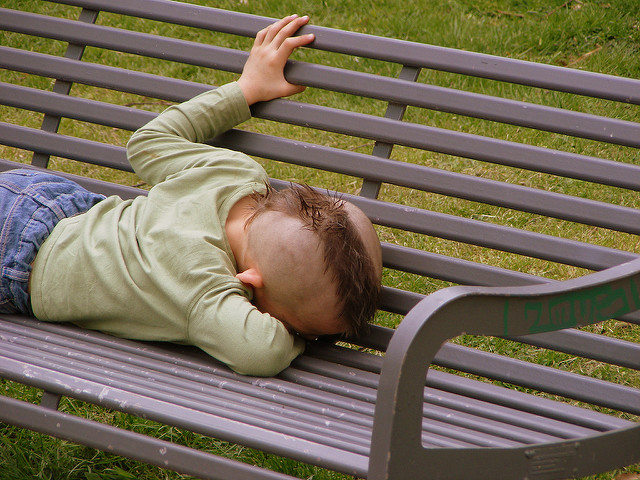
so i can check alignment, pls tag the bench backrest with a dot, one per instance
(487, 183)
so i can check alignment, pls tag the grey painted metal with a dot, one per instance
(402, 91)
(98, 75)
(391, 50)
(188, 387)
(92, 111)
(50, 123)
(470, 391)
(363, 414)
(584, 344)
(350, 163)
(558, 382)
(454, 143)
(141, 367)
(491, 235)
(590, 345)
(434, 180)
(133, 445)
(421, 221)
(142, 397)
(324, 118)
(396, 111)
(95, 153)
(50, 400)
(440, 317)
(509, 370)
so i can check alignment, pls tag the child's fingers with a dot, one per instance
(287, 30)
(291, 43)
(267, 34)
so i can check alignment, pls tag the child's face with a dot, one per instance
(316, 316)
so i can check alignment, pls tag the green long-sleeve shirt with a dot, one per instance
(160, 267)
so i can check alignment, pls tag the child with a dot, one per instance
(212, 256)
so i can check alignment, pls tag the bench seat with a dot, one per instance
(319, 411)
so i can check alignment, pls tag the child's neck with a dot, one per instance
(236, 232)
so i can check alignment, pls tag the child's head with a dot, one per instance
(319, 260)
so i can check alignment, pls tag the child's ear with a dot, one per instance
(251, 277)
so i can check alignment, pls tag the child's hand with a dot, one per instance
(262, 78)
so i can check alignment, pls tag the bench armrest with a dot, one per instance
(484, 311)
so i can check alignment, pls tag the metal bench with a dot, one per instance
(367, 411)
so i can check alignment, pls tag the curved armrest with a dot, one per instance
(485, 311)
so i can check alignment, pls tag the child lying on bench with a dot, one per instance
(212, 256)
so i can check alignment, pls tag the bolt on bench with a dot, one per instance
(443, 174)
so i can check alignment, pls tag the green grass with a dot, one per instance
(594, 35)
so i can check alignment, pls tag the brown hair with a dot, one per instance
(345, 256)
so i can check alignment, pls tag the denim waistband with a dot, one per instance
(31, 205)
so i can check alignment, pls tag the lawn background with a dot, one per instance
(602, 36)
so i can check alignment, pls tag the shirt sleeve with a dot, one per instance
(229, 328)
(173, 141)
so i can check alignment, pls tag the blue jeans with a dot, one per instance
(31, 204)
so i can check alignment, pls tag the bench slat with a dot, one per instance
(122, 40)
(558, 382)
(245, 412)
(455, 408)
(88, 151)
(434, 180)
(531, 375)
(469, 104)
(99, 75)
(454, 270)
(83, 109)
(208, 400)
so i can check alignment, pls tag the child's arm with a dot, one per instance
(174, 140)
